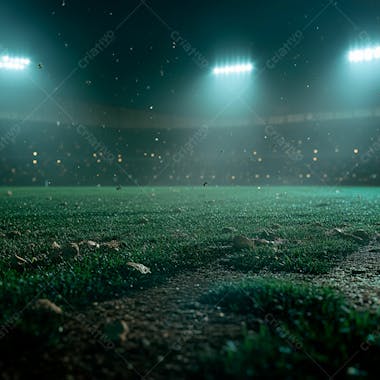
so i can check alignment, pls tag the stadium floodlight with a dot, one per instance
(364, 55)
(233, 69)
(13, 63)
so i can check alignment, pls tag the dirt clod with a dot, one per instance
(46, 306)
(140, 267)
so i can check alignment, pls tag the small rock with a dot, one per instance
(55, 245)
(90, 244)
(140, 267)
(44, 305)
(113, 244)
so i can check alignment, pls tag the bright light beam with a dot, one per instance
(364, 55)
(13, 63)
(233, 69)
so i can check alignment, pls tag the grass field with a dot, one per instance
(262, 251)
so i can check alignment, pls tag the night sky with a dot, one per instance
(144, 67)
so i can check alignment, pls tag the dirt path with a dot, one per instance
(167, 327)
(358, 277)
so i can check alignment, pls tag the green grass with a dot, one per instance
(183, 231)
(300, 331)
